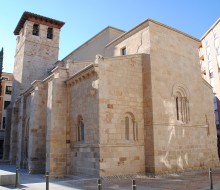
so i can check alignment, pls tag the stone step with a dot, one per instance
(7, 178)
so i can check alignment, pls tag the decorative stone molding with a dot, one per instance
(178, 124)
(95, 84)
(98, 58)
(68, 63)
(34, 85)
(36, 82)
(182, 89)
(83, 74)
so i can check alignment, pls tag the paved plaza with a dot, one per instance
(191, 180)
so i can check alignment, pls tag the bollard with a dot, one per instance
(47, 180)
(210, 178)
(99, 184)
(16, 177)
(133, 185)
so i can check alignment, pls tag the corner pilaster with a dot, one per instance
(56, 134)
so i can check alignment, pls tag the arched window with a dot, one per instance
(80, 129)
(181, 95)
(130, 126)
(35, 30)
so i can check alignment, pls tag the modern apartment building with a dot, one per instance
(209, 52)
(5, 100)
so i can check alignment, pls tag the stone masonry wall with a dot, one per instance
(40, 53)
(84, 105)
(14, 131)
(25, 131)
(16, 83)
(19, 126)
(74, 67)
(121, 116)
(37, 129)
(148, 115)
(137, 41)
(180, 145)
(56, 135)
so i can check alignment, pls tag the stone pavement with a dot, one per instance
(191, 180)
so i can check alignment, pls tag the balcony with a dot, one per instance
(203, 70)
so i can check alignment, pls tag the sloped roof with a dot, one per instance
(93, 38)
(38, 19)
(144, 24)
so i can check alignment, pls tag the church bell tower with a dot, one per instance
(36, 50)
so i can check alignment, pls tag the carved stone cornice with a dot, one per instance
(83, 74)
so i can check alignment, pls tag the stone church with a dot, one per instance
(121, 103)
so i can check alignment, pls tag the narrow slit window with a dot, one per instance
(50, 33)
(80, 130)
(123, 51)
(127, 128)
(177, 109)
(35, 30)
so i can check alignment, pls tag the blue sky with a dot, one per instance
(84, 18)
